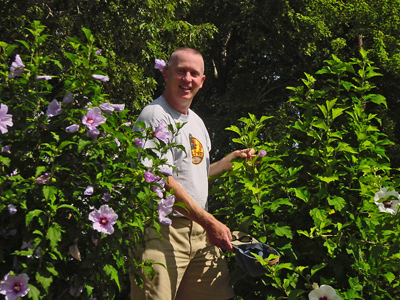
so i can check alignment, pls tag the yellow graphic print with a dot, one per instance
(196, 149)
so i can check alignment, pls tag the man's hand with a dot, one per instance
(225, 164)
(219, 235)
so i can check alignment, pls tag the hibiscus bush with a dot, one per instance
(325, 197)
(76, 189)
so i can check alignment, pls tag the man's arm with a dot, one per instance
(217, 233)
(224, 164)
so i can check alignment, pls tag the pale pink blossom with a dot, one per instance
(162, 132)
(159, 64)
(138, 142)
(68, 98)
(93, 118)
(54, 109)
(5, 118)
(45, 77)
(103, 219)
(101, 78)
(165, 208)
(324, 292)
(89, 191)
(14, 286)
(12, 209)
(92, 133)
(389, 205)
(72, 128)
(149, 177)
(262, 153)
(17, 67)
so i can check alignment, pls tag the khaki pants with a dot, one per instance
(194, 269)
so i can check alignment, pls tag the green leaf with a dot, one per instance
(54, 235)
(44, 277)
(302, 194)
(65, 143)
(234, 129)
(319, 123)
(390, 276)
(284, 231)
(327, 179)
(69, 206)
(31, 215)
(113, 273)
(49, 192)
(25, 44)
(337, 202)
(336, 112)
(34, 293)
(316, 268)
(5, 161)
(82, 144)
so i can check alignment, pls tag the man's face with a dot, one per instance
(184, 78)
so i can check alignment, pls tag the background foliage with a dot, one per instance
(253, 51)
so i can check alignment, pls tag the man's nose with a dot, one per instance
(187, 77)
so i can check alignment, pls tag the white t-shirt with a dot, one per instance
(193, 166)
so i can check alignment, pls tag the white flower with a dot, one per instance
(324, 292)
(388, 205)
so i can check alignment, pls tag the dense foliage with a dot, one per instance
(75, 195)
(311, 197)
(324, 195)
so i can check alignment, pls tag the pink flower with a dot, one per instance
(12, 209)
(16, 68)
(98, 52)
(162, 132)
(68, 98)
(45, 77)
(93, 133)
(5, 118)
(262, 153)
(54, 109)
(149, 177)
(73, 128)
(93, 118)
(89, 191)
(165, 170)
(106, 108)
(101, 78)
(138, 142)
(14, 286)
(43, 179)
(103, 219)
(391, 202)
(165, 208)
(158, 188)
(159, 64)
(109, 108)
(106, 196)
(325, 292)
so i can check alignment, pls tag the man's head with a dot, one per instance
(184, 77)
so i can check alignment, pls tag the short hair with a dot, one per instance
(185, 49)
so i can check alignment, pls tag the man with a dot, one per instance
(189, 248)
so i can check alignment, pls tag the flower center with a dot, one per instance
(17, 287)
(90, 121)
(103, 221)
(387, 203)
(323, 298)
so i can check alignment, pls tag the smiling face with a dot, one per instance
(184, 78)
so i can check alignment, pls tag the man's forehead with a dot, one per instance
(183, 58)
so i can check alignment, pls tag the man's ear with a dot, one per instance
(202, 81)
(165, 74)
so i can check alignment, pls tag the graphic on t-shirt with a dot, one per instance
(196, 149)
